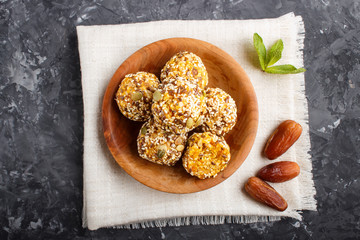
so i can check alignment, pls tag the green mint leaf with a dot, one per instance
(260, 49)
(274, 54)
(268, 59)
(284, 69)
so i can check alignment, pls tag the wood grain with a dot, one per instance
(224, 72)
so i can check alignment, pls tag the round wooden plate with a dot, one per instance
(224, 72)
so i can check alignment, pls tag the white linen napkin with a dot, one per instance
(113, 198)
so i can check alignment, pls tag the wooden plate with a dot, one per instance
(224, 72)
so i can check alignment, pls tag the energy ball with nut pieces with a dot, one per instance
(221, 113)
(178, 105)
(206, 155)
(135, 93)
(159, 146)
(188, 65)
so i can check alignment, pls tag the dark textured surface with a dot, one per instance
(41, 123)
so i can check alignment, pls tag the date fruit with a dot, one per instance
(279, 171)
(264, 193)
(286, 134)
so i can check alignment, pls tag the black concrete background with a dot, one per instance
(41, 115)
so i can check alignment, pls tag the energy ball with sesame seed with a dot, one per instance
(159, 146)
(206, 155)
(135, 93)
(187, 65)
(220, 115)
(178, 104)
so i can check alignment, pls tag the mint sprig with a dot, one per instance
(261, 50)
(269, 58)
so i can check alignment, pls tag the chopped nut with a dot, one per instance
(190, 123)
(136, 96)
(180, 148)
(179, 140)
(160, 153)
(199, 143)
(163, 147)
(143, 130)
(157, 95)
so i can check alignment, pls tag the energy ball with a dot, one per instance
(220, 115)
(159, 146)
(178, 105)
(187, 65)
(206, 155)
(135, 93)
